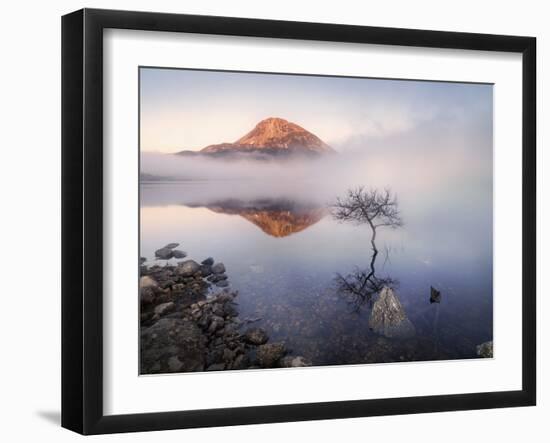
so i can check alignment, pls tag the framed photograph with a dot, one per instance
(269, 221)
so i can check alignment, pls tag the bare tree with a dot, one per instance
(375, 208)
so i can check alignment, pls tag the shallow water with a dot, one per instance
(283, 252)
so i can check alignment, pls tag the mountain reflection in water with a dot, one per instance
(275, 217)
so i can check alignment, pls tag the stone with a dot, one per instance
(146, 296)
(174, 364)
(218, 268)
(179, 254)
(169, 338)
(206, 270)
(485, 350)
(435, 295)
(240, 362)
(208, 261)
(165, 308)
(216, 323)
(294, 362)
(256, 336)
(178, 287)
(142, 260)
(269, 354)
(388, 318)
(171, 246)
(164, 253)
(216, 367)
(187, 268)
(222, 284)
(147, 282)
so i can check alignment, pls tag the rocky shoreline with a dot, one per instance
(189, 321)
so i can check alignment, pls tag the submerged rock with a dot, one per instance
(291, 361)
(256, 336)
(485, 350)
(269, 354)
(388, 317)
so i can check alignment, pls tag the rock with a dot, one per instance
(388, 317)
(485, 350)
(172, 345)
(147, 282)
(294, 362)
(435, 295)
(178, 287)
(256, 336)
(179, 254)
(164, 253)
(146, 296)
(165, 308)
(269, 354)
(218, 268)
(208, 261)
(171, 246)
(229, 310)
(174, 364)
(187, 268)
(216, 367)
(222, 284)
(216, 323)
(229, 355)
(240, 362)
(206, 270)
(142, 260)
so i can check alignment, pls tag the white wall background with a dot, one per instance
(30, 220)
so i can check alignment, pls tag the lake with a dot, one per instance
(287, 257)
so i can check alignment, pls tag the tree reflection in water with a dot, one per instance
(376, 209)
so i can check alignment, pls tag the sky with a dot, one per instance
(190, 109)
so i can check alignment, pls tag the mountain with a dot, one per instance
(271, 137)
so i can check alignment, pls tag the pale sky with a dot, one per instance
(186, 109)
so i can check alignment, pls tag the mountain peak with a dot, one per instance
(273, 136)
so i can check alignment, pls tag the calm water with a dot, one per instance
(283, 252)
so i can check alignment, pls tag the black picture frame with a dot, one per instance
(82, 219)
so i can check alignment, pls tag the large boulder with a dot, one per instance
(388, 318)
(187, 268)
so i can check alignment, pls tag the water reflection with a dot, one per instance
(275, 217)
(373, 208)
